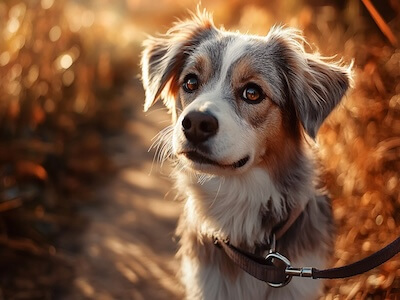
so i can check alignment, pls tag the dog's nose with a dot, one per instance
(199, 126)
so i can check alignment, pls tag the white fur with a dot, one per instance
(206, 282)
(233, 52)
(228, 205)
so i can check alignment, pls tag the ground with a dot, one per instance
(127, 250)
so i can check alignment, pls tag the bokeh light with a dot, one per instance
(70, 91)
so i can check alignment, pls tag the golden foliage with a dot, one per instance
(67, 75)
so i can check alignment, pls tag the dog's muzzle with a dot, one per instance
(198, 127)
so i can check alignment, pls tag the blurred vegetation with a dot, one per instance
(68, 79)
(63, 89)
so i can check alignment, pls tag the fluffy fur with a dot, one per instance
(256, 163)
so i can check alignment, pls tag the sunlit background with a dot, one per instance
(85, 215)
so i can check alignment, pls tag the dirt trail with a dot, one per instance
(127, 251)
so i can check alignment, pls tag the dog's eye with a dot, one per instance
(190, 83)
(252, 93)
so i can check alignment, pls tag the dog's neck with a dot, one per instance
(243, 207)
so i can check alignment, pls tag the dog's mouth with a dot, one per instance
(201, 159)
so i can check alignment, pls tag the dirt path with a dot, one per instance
(128, 248)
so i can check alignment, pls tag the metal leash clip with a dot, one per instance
(289, 270)
(275, 255)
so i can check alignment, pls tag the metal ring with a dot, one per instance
(276, 255)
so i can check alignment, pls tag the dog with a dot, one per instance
(245, 113)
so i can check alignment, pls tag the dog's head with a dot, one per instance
(239, 100)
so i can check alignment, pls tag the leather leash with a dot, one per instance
(267, 270)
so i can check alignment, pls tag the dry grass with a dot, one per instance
(66, 73)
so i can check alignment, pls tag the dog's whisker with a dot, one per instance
(162, 145)
(156, 110)
(163, 121)
(221, 182)
(203, 178)
(180, 167)
(200, 178)
(161, 134)
(165, 150)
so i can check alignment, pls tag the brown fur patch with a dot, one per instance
(173, 85)
(202, 67)
(281, 144)
(244, 72)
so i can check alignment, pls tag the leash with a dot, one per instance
(276, 270)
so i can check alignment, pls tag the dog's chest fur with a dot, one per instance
(233, 206)
(245, 209)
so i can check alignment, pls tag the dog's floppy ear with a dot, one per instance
(324, 86)
(315, 85)
(163, 57)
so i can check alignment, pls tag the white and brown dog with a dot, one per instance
(243, 109)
